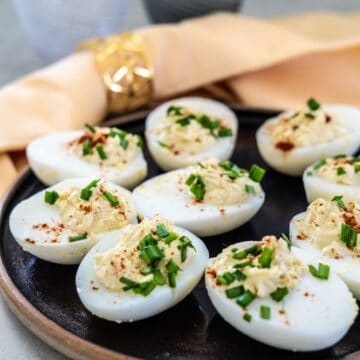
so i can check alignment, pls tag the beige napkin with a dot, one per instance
(273, 64)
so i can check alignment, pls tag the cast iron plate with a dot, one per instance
(192, 329)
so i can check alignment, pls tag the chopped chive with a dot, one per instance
(86, 192)
(240, 276)
(234, 292)
(233, 170)
(185, 243)
(225, 132)
(240, 255)
(90, 128)
(265, 257)
(146, 270)
(309, 173)
(279, 293)
(322, 272)
(250, 189)
(174, 110)
(253, 250)
(77, 237)
(357, 168)
(184, 121)
(111, 198)
(158, 278)
(207, 123)
(86, 149)
(319, 164)
(256, 173)
(340, 171)
(309, 115)
(144, 288)
(51, 197)
(139, 142)
(229, 277)
(234, 250)
(242, 265)
(128, 282)
(100, 150)
(295, 127)
(172, 269)
(171, 237)
(348, 235)
(340, 156)
(151, 254)
(339, 201)
(265, 312)
(172, 280)
(247, 317)
(164, 145)
(162, 231)
(246, 298)
(197, 186)
(313, 104)
(286, 238)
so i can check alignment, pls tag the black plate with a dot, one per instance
(192, 329)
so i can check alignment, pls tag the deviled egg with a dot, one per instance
(330, 230)
(185, 131)
(109, 153)
(293, 140)
(142, 271)
(60, 224)
(209, 198)
(333, 176)
(280, 296)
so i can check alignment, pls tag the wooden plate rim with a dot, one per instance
(47, 330)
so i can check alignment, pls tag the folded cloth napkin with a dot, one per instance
(274, 64)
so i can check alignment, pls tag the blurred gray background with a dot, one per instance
(17, 58)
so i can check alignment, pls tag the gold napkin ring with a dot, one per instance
(125, 68)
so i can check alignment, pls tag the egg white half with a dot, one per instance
(295, 161)
(127, 306)
(162, 195)
(34, 211)
(222, 149)
(310, 323)
(317, 187)
(52, 162)
(348, 268)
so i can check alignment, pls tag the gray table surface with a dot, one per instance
(17, 58)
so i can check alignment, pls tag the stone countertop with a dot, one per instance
(17, 58)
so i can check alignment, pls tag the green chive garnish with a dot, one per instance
(90, 128)
(185, 243)
(234, 292)
(140, 142)
(313, 104)
(111, 198)
(225, 132)
(265, 312)
(172, 269)
(348, 235)
(339, 202)
(164, 145)
(100, 150)
(86, 149)
(233, 171)
(162, 231)
(256, 173)
(340, 171)
(86, 192)
(158, 278)
(357, 168)
(77, 237)
(247, 317)
(51, 197)
(309, 173)
(309, 115)
(265, 257)
(250, 189)
(184, 121)
(340, 156)
(174, 110)
(286, 238)
(322, 272)
(246, 298)
(319, 164)
(197, 186)
(279, 293)
(130, 284)
(146, 270)
(171, 237)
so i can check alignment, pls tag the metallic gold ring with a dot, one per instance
(125, 68)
